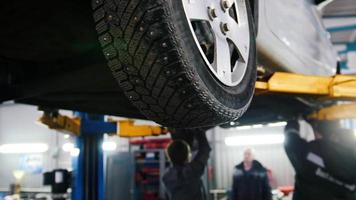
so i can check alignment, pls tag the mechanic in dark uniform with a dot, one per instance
(325, 167)
(183, 179)
(250, 180)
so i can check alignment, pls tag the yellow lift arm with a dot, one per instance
(62, 123)
(125, 128)
(339, 86)
(336, 112)
(129, 129)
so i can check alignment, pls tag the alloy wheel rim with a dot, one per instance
(228, 23)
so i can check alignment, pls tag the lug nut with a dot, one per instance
(225, 4)
(212, 13)
(225, 28)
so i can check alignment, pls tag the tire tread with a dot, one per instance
(145, 61)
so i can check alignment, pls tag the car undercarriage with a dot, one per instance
(53, 59)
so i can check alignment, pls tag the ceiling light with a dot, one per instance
(250, 140)
(109, 146)
(18, 174)
(22, 148)
(257, 126)
(75, 152)
(243, 127)
(277, 124)
(67, 147)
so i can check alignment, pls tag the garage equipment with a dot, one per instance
(59, 122)
(123, 128)
(149, 167)
(127, 128)
(155, 143)
(336, 112)
(60, 181)
(336, 87)
(88, 168)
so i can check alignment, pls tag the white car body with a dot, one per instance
(292, 38)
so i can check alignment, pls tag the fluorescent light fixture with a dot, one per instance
(243, 127)
(75, 152)
(18, 174)
(251, 140)
(277, 124)
(22, 148)
(67, 147)
(109, 146)
(258, 126)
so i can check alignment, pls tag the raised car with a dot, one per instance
(181, 63)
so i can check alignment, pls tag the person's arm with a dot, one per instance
(294, 145)
(267, 193)
(201, 159)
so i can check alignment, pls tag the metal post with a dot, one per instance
(89, 167)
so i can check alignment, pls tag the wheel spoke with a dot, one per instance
(222, 59)
(196, 9)
(240, 36)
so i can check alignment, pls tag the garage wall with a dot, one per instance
(272, 157)
(17, 125)
(344, 40)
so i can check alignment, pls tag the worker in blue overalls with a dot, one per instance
(325, 167)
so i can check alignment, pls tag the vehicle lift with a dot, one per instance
(88, 167)
(89, 129)
(337, 88)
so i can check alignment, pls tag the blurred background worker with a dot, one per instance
(183, 179)
(325, 167)
(250, 181)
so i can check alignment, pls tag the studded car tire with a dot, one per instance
(182, 63)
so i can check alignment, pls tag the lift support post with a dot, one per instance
(88, 167)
